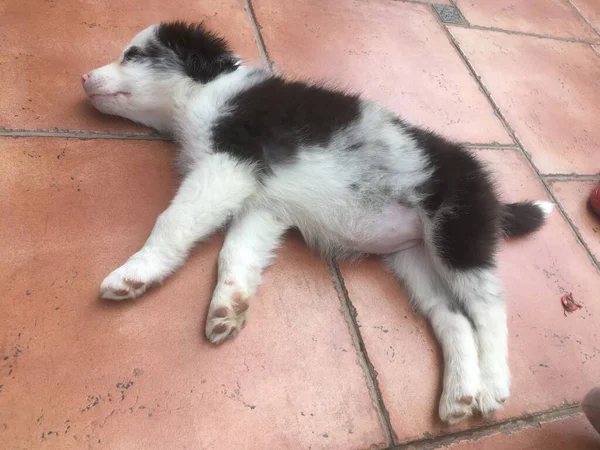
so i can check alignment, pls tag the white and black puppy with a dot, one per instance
(270, 154)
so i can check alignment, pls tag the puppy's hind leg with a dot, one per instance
(211, 192)
(480, 294)
(452, 328)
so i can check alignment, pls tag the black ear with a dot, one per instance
(204, 69)
(202, 54)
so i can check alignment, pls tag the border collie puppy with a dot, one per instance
(267, 155)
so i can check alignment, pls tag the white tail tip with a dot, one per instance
(546, 207)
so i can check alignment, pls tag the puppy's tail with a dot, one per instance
(519, 219)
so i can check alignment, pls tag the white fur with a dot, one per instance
(215, 189)
(546, 207)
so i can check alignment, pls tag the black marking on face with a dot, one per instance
(202, 55)
(132, 54)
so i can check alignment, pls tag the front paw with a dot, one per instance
(227, 316)
(129, 281)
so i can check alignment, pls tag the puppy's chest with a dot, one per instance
(195, 134)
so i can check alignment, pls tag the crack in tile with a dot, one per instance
(350, 314)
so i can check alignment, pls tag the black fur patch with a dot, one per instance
(519, 219)
(202, 55)
(272, 119)
(461, 200)
(133, 53)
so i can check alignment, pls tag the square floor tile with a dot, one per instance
(77, 372)
(548, 91)
(393, 52)
(546, 17)
(553, 358)
(590, 9)
(571, 433)
(45, 46)
(573, 196)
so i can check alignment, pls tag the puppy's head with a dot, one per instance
(140, 84)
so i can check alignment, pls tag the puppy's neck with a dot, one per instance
(195, 106)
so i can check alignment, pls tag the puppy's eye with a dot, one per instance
(132, 53)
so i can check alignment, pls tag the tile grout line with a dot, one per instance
(552, 177)
(513, 425)
(547, 183)
(574, 6)
(595, 49)
(489, 146)
(85, 135)
(258, 39)
(472, 72)
(77, 134)
(523, 33)
(350, 314)
(416, 2)
(525, 154)
(468, 24)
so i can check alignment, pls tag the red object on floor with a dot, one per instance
(569, 304)
(594, 201)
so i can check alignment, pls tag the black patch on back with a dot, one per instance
(202, 55)
(460, 198)
(272, 119)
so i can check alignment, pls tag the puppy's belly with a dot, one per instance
(395, 228)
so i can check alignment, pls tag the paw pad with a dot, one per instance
(226, 321)
(134, 284)
(466, 400)
(220, 312)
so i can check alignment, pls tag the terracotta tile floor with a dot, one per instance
(330, 359)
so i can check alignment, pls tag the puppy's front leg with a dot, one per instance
(248, 249)
(211, 192)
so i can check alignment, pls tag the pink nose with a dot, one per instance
(84, 78)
